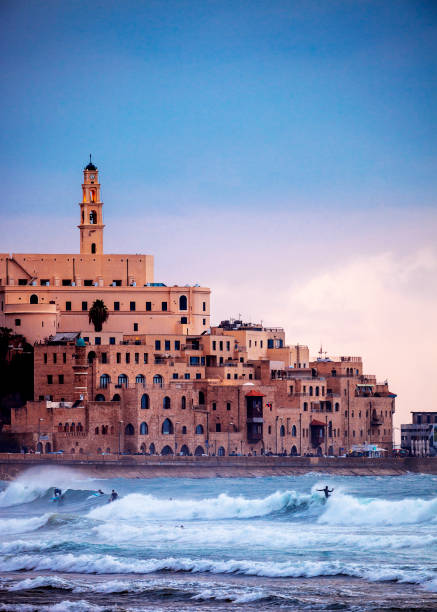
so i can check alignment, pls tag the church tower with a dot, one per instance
(91, 213)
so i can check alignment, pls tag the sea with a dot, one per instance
(174, 544)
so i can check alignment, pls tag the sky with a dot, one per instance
(282, 153)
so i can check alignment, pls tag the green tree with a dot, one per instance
(98, 314)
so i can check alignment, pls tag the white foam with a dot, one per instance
(107, 564)
(22, 525)
(348, 510)
(141, 507)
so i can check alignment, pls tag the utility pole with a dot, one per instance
(120, 423)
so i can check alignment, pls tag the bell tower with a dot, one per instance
(91, 213)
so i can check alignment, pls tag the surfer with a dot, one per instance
(326, 491)
(100, 492)
(114, 495)
(57, 492)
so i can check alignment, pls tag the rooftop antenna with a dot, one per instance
(90, 158)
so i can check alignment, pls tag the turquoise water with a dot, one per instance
(243, 543)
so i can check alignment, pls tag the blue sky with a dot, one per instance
(281, 152)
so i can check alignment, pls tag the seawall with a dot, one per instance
(131, 466)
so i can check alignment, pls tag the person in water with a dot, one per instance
(100, 492)
(57, 492)
(114, 495)
(326, 491)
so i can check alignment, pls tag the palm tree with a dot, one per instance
(98, 314)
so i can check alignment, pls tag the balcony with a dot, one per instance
(254, 420)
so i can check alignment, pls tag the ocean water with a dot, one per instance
(218, 543)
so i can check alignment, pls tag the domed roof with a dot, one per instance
(90, 166)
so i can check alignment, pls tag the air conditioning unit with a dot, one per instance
(73, 284)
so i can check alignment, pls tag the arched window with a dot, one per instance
(66, 427)
(294, 431)
(99, 451)
(183, 302)
(183, 402)
(143, 449)
(96, 431)
(93, 215)
(317, 391)
(282, 431)
(108, 450)
(72, 427)
(122, 379)
(104, 430)
(145, 404)
(91, 356)
(167, 450)
(92, 195)
(100, 397)
(34, 299)
(330, 429)
(337, 407)
(184, 429)
(293, 451)
(166, 404)
(60, 428)
(105, 380)
(199, 429)
(129, 430)
(48, 447)
(152, 450)
(311, 390)
(333, 372)
(93, 247)
(157, 380)
(144, 430)
(199, 451)
(167, 427)
(79, 427)
(221, 451)
(185, 451)
(140, 379)
(39, 448)
(116, 398)
(201, 398)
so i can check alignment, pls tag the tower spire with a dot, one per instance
(91, 213)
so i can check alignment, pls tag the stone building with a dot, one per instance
(159, 378)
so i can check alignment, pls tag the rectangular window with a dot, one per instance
(157, 345)
(270, 343)
(118, 357)
(116, 283)
(184, 320)
(198, 375)
(194, 360)
(175, 375)
(137, 358)
(167, 345)
(86, 339)
(250, 376)
(97, 340)
(116, 305)
(228, 405)
(135, 326)
(203, 321)
(148, 306)
(44, 282)
(67, 305)
(66, 282)
(61, 379)
(204, 306)
(84, 305)
(87, 283)
(45, 357)
(214, 406)
(49, 379)
(132, 306)
(55, 357)
(261, 343)
(104, 357)
(270, 429)
(202, 360)
(218, 427)
(146, 357)
(214, 345)
(221, 345)
(64, 357)
(250, 343)
(187, 376)
(111, 340)
(127, 357)
(22, 281)
(164, 306)
(228, 346)
(177, 345)
(236, 376)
